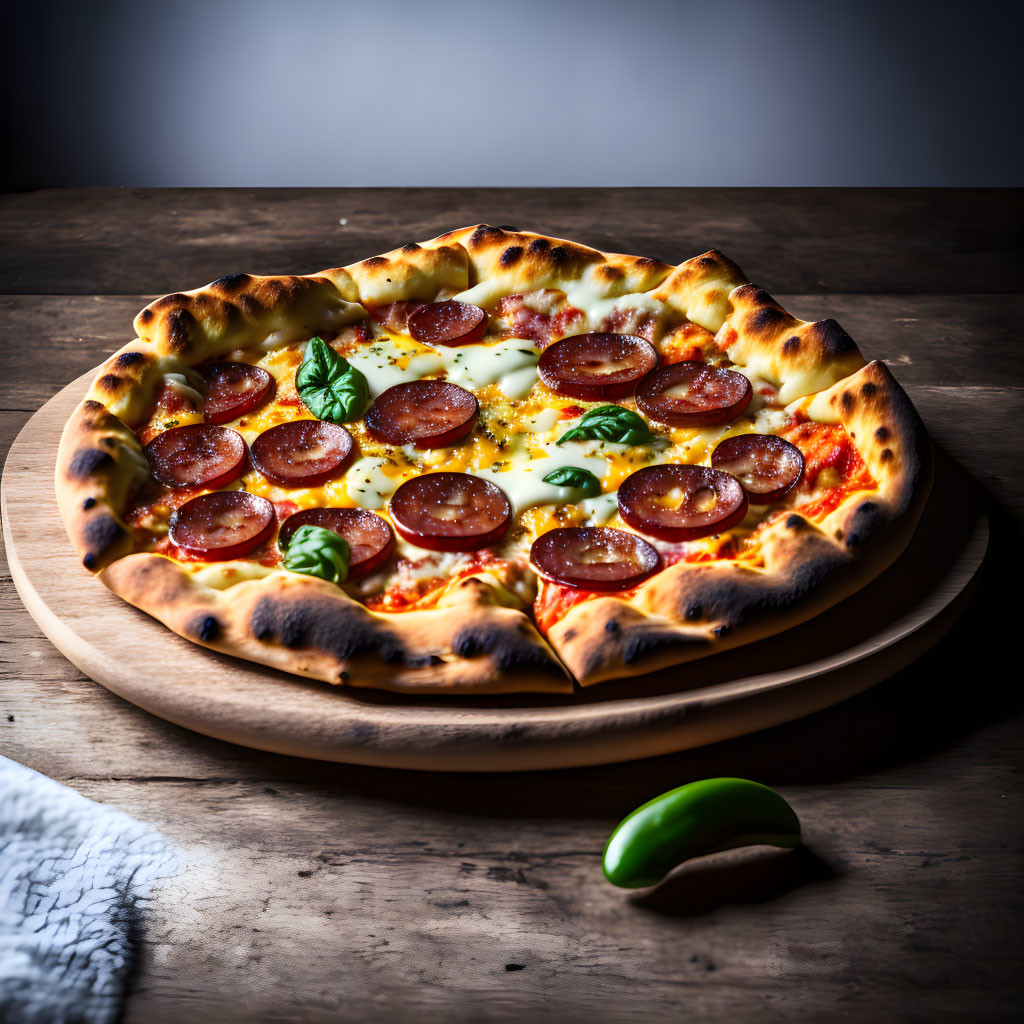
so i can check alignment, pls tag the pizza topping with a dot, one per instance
(369, 537)
(394, 316)
(579, 479)
(302, 453)
(199, 455)
(610, 423)
(222, 525)
(679, 502)
(596, 366)
(594, 558)
(331, 388)
(693, 394)
(448, 323)
(234, 389)
(767, 466)
(424, 413)
(314, 551)
(451, 512)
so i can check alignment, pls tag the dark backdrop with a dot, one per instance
(523, 92)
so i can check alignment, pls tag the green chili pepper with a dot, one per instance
(701, 817)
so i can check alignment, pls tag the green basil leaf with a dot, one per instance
(610, 423)
(314, 551)
(573, 476)
(331, 388)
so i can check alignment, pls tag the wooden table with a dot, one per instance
(322, 892)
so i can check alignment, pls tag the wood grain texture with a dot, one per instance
(332, 892)
(82, 241)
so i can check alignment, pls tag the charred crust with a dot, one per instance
(834, 341)
(791, 344)
(411, 247)
(882, 434)
(231, 282)
(206, 627)
(249, 306)
(611, 626)
(507, 650)
(511, 255)
(885, 455)
(693, 612)
(89, 560)
(146, 316)
(559, 255)
(508, 227)
(101, 533)
(169, 302)
(91, 405)
(88, 503)
(765, 320)
(302, 622)
(484, 233)
(847, 401)
(721, 630)
(643, 645)
(179, 326)
(539, 245)
(866, 519)
(795, 522)
(570, 634)
(110, 382)
(126, 360)
(87, 462)
(376, 261)
(869, 389)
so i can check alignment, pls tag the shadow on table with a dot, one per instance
(741, 877)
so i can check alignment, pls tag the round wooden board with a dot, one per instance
(841, 652)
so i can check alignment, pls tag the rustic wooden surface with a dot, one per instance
(324, 892)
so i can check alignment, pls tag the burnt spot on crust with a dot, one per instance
(559, 255)
(766, 320)
(232, 282)
(87, 462)
(570, 634)
(89, 560)
(795, 522)
(644, 644)
(511, 255)
(88, 504)
(322, 625)
(866, 519)
(485, 233)
(376, 261)
(721, 630)
(126, 360)
(172, 301)
(100, 533)
(791, 344)
(834, 341)
(539, 245)
(611, 626)
(179, 328)
(91, 405)
(847, 401)
(411, 247)
(693, 612)
(110, 382)
(507, 649)
(205, 627)
(869, 389)
(249, 306)
(146, 316)
(882, 434)
(508, 227)
(885, 454)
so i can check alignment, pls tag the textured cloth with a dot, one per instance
(73, 880)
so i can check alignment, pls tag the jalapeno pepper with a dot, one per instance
(695, 819)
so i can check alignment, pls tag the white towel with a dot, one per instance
(74, 876)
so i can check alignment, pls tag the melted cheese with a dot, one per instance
(511, 364)
(388, 362)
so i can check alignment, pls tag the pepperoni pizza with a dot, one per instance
(494, 461)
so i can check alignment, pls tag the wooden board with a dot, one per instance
(840, 653)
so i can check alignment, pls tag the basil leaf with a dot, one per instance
(610, 423)
(331, 388)
(572, 476)
(314, 551)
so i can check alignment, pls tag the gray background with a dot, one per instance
(524, 92)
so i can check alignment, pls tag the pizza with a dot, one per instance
(494, 461)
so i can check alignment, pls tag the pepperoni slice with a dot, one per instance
(199, 455)
(693, 394)
(766, 465)
(222, 525)
(302, 453)
(450, 512)
(368, 535)
(448, 323)
(680, 502)
(233, 390)
(596, 366)
(594, 558)
(425, 413)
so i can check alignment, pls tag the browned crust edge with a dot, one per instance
(691, 610)
(472, 642)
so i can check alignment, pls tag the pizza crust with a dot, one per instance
(473, 641)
